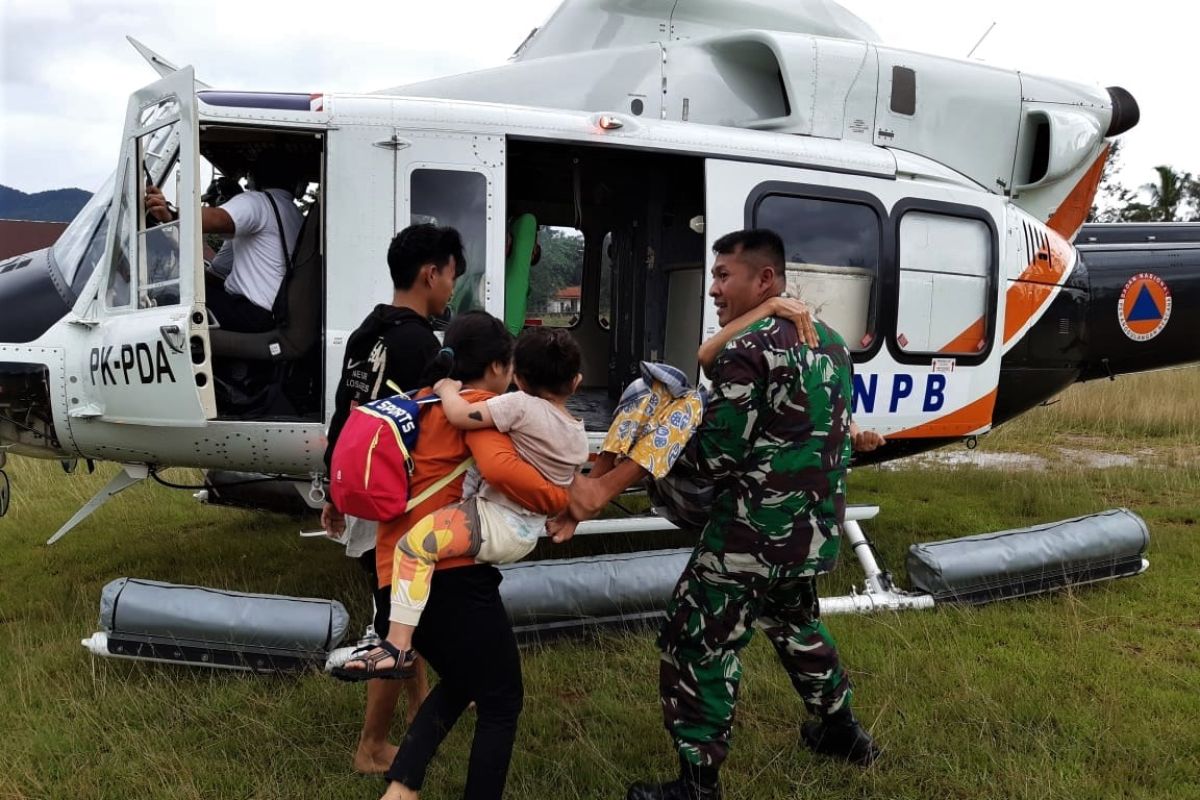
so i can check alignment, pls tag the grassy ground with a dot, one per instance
(1086, 694)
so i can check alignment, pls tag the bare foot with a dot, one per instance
(398, 791)
(374, 759)
(561, 528)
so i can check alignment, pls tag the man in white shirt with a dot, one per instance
(244, 300)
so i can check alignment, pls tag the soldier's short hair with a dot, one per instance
(761, 242)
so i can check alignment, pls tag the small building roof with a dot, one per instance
(18, 236)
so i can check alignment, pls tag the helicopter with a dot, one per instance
(927, 205)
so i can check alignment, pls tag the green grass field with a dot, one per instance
(1087, 694)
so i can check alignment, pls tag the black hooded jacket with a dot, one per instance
(393, 344)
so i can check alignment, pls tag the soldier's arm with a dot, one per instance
(725, 435)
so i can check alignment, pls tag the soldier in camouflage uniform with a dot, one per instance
(775, 440)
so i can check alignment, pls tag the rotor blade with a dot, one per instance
(157, 62)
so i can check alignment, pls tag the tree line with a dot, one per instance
(1173, 196)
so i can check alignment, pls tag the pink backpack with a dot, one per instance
(371, 463)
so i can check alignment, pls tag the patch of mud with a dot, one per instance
(1064, 457)
(969, 458)
(1092, 459)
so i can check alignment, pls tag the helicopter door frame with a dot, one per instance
(899, 394)
(452, 157)
(147, 357)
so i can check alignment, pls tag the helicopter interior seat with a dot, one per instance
(297, 307)
(272, 373)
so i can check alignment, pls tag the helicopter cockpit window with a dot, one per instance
(556, 280)
(457, 198)
(147, 269)
(120, 278)
(945, 263)
(832, 253)
(78, 250)
(160, 110)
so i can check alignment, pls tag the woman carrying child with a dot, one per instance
(464, 631)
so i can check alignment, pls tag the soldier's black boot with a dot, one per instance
(693, 783)
(840, 736)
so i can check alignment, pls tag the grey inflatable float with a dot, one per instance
(558, 596)
(158, 621)
(1024, 561)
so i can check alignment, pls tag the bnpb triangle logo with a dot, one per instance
(1144, 307)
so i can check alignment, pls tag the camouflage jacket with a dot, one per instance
(776, 442)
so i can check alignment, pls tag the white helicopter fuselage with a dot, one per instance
(136, 383)
(926, 207)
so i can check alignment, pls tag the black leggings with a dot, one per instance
(465, 635)
(233, 311)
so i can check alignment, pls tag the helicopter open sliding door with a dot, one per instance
(905, 273)
(147, 361)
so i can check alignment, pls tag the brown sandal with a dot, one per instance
(371, 657)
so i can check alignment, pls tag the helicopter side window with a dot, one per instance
(832, 252)
(945, 262)
(556, 280)
(458, 198)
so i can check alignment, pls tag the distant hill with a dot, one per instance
(57, 205)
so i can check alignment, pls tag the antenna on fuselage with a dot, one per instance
(981, 38)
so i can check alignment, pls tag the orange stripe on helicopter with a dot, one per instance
(1028, 295)
(1045, 272)
(964, 421)
(972, 340)
(1069, 217)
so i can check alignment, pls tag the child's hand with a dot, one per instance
(799, 314)
(447, 386)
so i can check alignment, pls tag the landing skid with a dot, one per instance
(879, 592)
(129, 475)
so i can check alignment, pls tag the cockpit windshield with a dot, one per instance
(78, 250)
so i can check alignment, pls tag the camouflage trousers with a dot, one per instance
(719, 600)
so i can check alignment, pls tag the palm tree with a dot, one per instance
(1168, 194)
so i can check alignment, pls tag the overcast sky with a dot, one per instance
(66, 69)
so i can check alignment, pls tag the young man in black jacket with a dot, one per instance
(394, 344)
